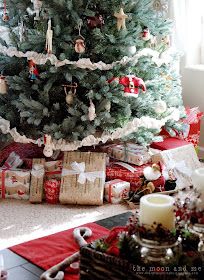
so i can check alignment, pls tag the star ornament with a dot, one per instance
(121, 17)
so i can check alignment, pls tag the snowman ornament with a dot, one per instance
(48, 149)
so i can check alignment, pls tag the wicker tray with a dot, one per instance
(95, 265)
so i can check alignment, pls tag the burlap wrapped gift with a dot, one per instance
(37, 179)
(83, 178)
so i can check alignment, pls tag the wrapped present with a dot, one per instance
(116, 190)
(83, 178)
(14, 183)
(37, 179)
(193, 124)
(53, 169)
(52, 189)
(13, 161)
(181, 161)
(130, 153)
(126, 172)
(169, 143)
(191, 127)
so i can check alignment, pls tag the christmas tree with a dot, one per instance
(81, 72)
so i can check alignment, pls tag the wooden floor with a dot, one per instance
(20, 269)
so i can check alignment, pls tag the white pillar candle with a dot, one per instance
(198, 182)
(157, 208)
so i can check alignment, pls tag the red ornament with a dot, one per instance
(146, 36)
(131, 85)
(34, 74)
(96, 21)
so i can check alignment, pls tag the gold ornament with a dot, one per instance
(71, 93)
(3, 85)
(121, 17)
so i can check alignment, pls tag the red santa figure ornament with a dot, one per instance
(131, 85)
(146, 36)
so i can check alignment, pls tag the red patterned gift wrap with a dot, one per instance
(115, 171)
(52, 189)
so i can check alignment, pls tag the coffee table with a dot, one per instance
(20, 269)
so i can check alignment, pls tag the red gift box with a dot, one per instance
(192, 127)
(116, 171)
(169, 143)
(52, 190)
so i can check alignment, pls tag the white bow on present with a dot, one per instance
(79, 169)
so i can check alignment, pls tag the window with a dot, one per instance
(188, 35)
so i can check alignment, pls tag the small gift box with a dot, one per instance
(126, 172)
(37, 178)
(116, 190)
(52, 189)
(83, 178)
(130, 153)
(14, 183)
(181, 161)
(169, 143)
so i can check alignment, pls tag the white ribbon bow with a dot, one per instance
(79, 169)
(179, 168)
(38, 170)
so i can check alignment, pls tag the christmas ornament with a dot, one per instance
(152, 173)
(92, 111)
(3, 85)
(131, 85)
(108, 106)
(80, 41)
(121, 17)
(160, 6)
(37, 5)
(49, 36)
(71, 93)
(146, 36)
(21, 31)
(5, 16)
(166, 40)
(48, 149)
(131, 50)
(94, 22)
(160, 106)
(34, 74)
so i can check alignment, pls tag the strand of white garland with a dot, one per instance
(85, 63)
(63, 145)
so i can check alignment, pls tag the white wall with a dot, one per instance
(193, 91)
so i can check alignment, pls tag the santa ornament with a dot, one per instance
(49, 36)
(146, 36)
(132, 84)
(3, 85)
(34, 74)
